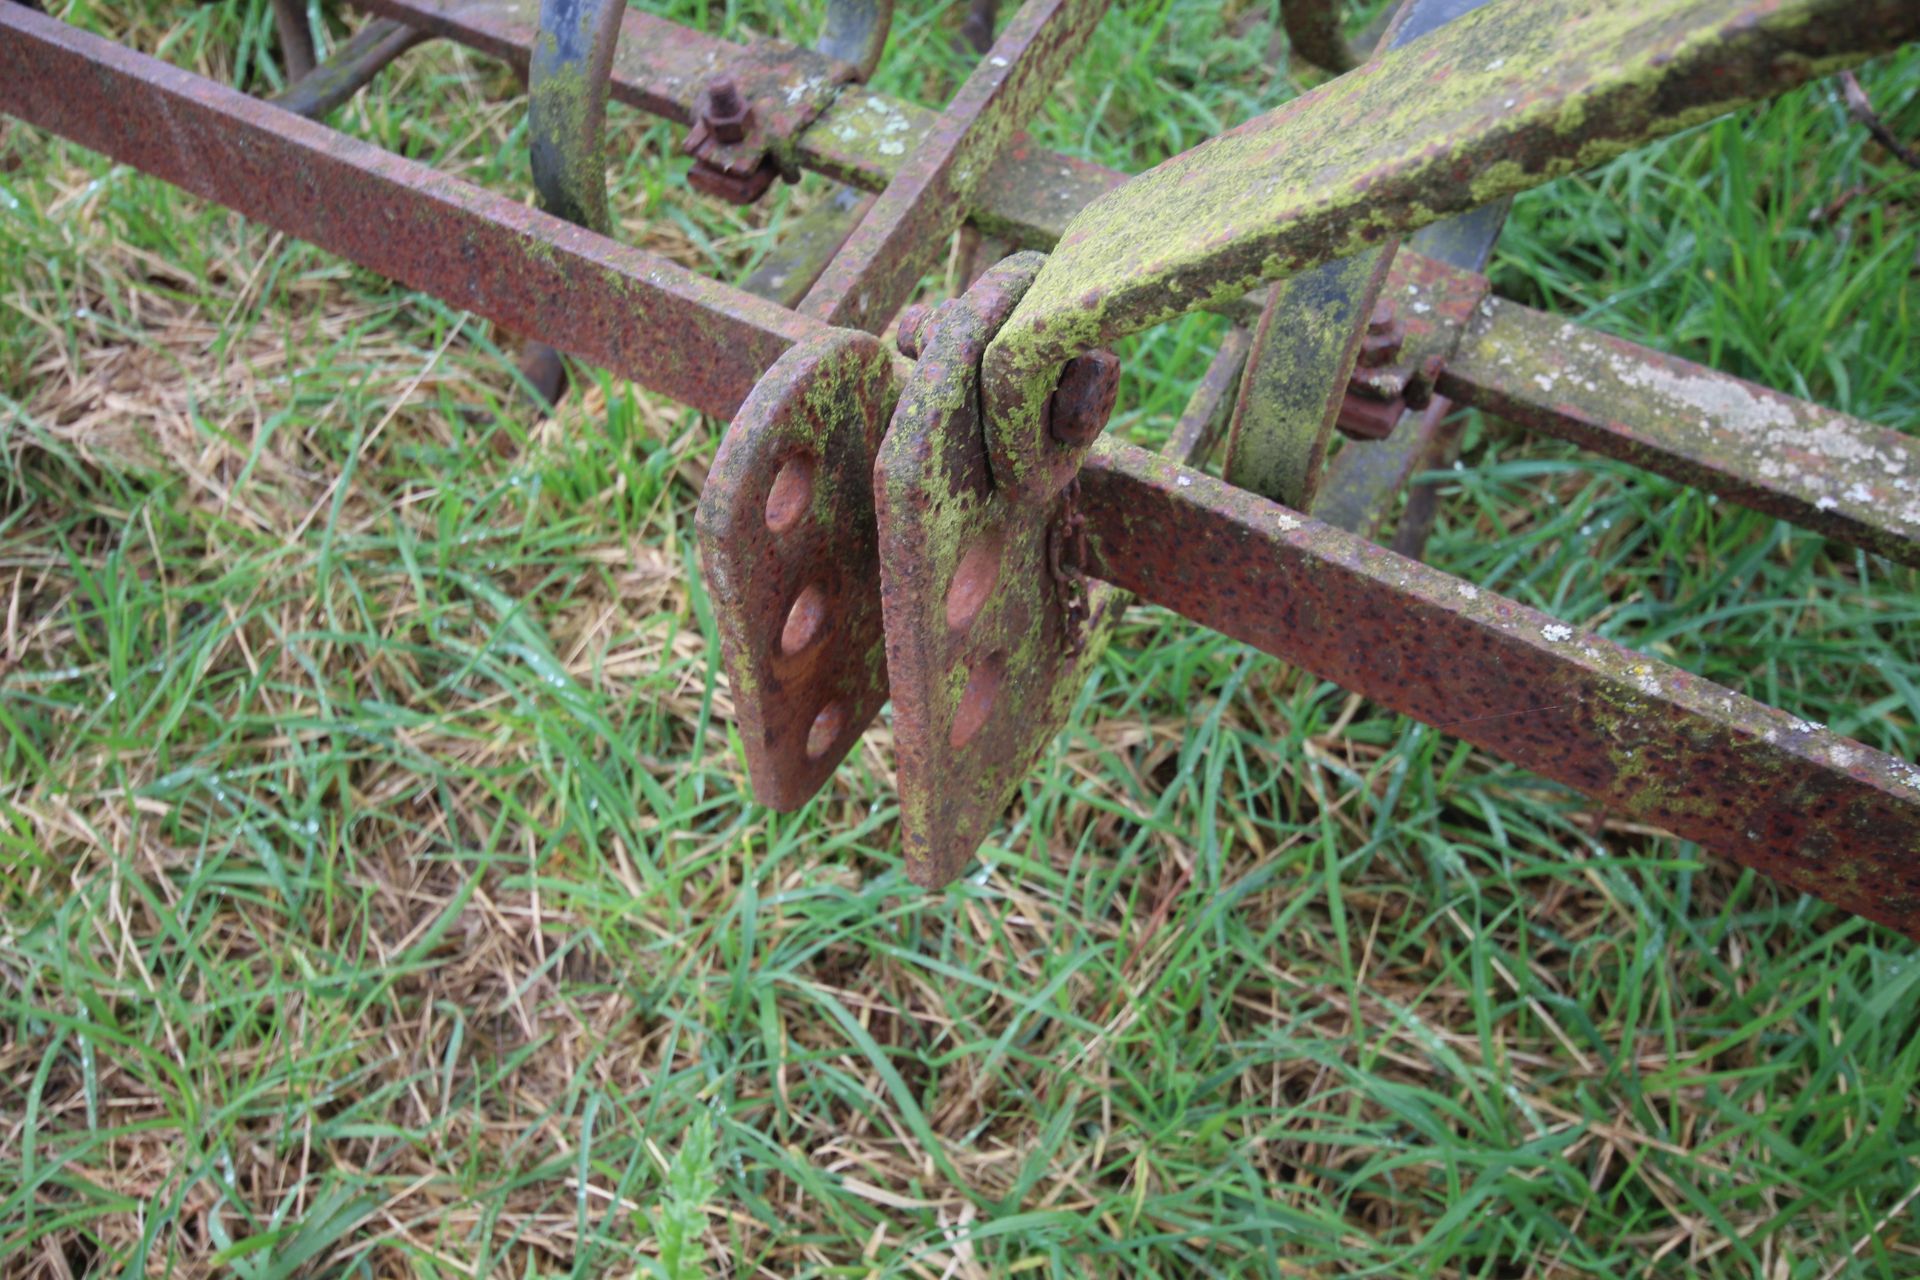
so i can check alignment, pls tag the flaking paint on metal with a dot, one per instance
(1824, 470)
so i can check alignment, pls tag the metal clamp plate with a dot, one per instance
(991, 626)
(787, 547)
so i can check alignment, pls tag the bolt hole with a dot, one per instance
(825, 730)
(805, 620)
(792, 491)
(973, 580)
(976, 702)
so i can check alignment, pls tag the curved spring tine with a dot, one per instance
(567, 84)
(352, 65)
(296, 39)
(856, 32)
(568, 79)
(1298, 374)
(1313, 29)
(982, 17)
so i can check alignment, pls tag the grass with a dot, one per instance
(382, 893)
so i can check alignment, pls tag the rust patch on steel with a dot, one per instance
(787, 547)
(750, 110)
(1821, 813)
(1846, 479)
(1431, 305)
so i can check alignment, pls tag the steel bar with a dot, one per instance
(1505, 98)
(977, 27)
(905, 232)
(806, 245)
(1821, 813)
(351, 68)
(648, 319)
(1364, 481)
(1204, 419)
(1422, 508)
(1840, 477)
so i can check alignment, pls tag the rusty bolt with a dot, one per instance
(911, 333)
(728, 114)
(1083, 398)
(1384, 336)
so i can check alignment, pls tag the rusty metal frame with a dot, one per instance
(1014, 443)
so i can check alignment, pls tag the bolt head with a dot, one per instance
(1382, 318)
(910, 335)
(1084, 397)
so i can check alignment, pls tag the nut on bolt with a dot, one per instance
(1381, 345)
(728, 115)
(1083, 398)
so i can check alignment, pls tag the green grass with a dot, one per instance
(382, 893)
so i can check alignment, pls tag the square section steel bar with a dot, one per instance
(1823, 470)
(1821, 813)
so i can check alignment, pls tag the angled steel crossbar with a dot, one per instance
(1003, 526)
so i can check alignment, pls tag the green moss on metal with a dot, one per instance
(1513, 94)
(1290, 395)
(570, 109)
